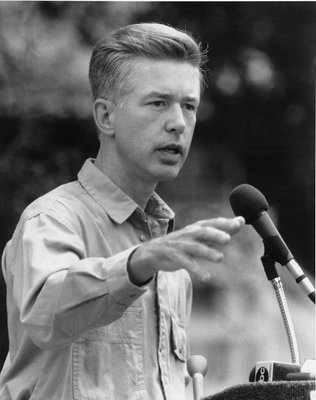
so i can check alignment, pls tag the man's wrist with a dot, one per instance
(139, 269)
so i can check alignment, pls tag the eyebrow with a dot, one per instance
(166, 96)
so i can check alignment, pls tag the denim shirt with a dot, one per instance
(78, 328)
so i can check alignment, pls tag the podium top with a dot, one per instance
(281, 390)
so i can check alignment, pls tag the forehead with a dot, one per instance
(164, 75)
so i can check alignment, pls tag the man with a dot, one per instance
(98, 287)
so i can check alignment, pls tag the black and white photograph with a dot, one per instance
(157, 176)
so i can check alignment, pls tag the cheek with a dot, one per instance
(137, 133)
(130, 121)
(190, 133)
(133, 142)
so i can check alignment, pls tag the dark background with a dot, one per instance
(256, 121)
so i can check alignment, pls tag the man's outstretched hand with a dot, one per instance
(181, 249)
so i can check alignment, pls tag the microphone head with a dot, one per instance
(248, 202)
(197, 364)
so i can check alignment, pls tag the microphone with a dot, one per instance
(197, 367)
(251, 204)
(271, 371)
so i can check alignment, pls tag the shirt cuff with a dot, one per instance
(119, 286)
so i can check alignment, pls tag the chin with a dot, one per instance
(167, 176)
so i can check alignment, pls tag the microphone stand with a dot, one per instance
(272, 275)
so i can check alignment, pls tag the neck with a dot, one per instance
(138, 190)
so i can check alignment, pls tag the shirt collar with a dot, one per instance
(116, 203)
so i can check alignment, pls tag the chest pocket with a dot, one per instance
(108, 361)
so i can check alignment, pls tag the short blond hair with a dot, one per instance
(112, 55)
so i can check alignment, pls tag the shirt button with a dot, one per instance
(142, 238)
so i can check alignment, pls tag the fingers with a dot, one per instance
(189, 258)
(199, 250)
(197, 272)
(229, 225)
(214, 231)
(207, 234)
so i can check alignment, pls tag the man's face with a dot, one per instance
(154, 122)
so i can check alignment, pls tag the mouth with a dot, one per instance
(173, 149)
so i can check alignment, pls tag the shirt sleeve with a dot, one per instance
(59, 292)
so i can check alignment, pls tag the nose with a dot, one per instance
(175, 122)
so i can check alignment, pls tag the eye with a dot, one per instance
(190, 107)
(158, 103)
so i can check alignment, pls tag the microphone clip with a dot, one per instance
(276, 249)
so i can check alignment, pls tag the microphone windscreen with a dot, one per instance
(248, 202)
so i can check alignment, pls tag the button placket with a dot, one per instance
(141, 224)
(163, 347)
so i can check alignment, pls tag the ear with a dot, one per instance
(103, 116)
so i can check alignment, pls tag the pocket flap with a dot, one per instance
(178, 339)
